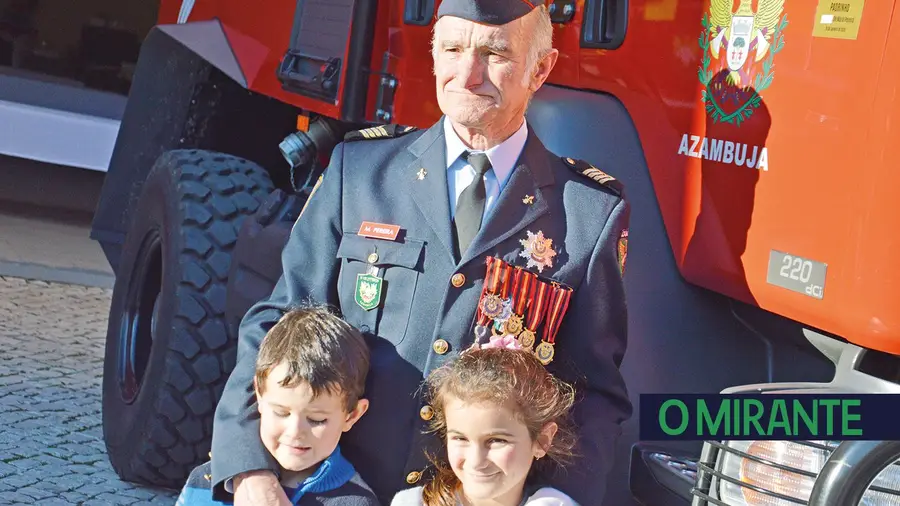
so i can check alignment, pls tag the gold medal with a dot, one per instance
(513, 325)
(544, 352)
(558, 304)
(526, 339)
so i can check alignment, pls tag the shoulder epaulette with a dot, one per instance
(589, 171)
(379, 132)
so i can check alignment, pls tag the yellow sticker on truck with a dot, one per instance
(838, 19)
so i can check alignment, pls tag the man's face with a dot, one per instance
(300, 430)
(481, 71)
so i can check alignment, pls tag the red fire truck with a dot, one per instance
(754, 140)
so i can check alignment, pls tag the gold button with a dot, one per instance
(440, 347)
(427, 412)
(458, 279)
(373, 257)
(413, 477)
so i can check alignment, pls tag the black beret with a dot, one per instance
(491, 12)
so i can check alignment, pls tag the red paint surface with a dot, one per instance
(828, 120)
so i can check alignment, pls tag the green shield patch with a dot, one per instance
(368, 291)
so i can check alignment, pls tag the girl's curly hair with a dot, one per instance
(500, 377)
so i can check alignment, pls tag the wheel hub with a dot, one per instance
(141, 313)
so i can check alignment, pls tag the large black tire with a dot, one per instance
(168, 354)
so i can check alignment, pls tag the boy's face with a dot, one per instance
(298, 430)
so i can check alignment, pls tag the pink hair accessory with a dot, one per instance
(507, 341)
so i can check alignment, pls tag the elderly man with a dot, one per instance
(401, 233)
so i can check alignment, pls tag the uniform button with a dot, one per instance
(427, 412)
(373, 257)
(413, 477)
(458, 279)
(440, 347)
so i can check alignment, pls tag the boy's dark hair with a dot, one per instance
(320, 349)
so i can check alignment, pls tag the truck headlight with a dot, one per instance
(782, 473)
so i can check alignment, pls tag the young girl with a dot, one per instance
(502, 417)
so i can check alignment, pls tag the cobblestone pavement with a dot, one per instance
(51, 363)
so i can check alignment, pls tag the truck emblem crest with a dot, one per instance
(732, 85)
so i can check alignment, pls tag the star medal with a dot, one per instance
(558, 304)
(538, 250)
(536, 311)
(492, 306)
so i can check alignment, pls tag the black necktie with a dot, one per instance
(470, 205)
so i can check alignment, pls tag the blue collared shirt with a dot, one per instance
(460, 173)
(324, 485)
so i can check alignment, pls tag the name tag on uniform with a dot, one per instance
(379, 230)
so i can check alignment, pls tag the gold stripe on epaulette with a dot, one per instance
(598, 175)
(382, 131)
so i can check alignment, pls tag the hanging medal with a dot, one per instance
(369, 285)
(522, 289)
(556, 309)
(490, 305)
(506, 277)
(540, 293)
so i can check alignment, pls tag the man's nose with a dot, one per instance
(471, 70)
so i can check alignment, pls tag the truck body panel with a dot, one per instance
(740, 148)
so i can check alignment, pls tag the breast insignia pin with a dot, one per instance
(421, 174)
(538, 250)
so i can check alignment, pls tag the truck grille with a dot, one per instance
(731, 475)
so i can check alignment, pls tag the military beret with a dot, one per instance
(491, 12)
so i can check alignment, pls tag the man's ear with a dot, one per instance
(543, 68)
(362, 406)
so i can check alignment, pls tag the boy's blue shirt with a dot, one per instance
(333, 473)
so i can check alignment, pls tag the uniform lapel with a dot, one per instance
(431, 193)
(510, 214)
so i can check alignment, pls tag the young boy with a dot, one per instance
(310, 376)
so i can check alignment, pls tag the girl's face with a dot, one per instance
(490, 451)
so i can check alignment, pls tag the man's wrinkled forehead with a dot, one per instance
(490, 12)
(452, 32)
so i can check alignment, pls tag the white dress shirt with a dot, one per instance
(460, 173)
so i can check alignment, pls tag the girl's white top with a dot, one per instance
(545, 496)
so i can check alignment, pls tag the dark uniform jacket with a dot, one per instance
(424, 319)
